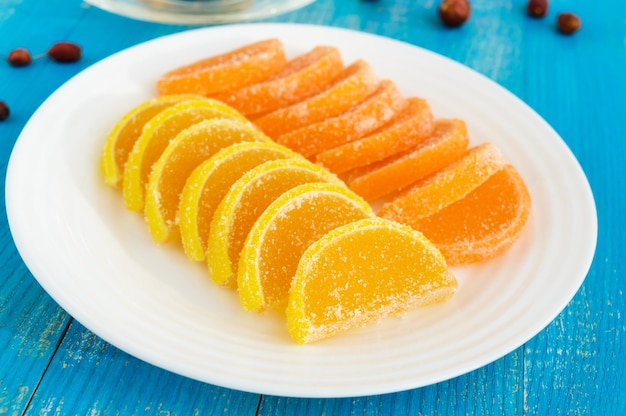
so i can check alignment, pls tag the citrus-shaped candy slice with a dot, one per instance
(234, 69)
(353, 85)
(446, 186)
(284, 231)
(208, 184)
(362, 272)
(155, 137)
(410, 127)
(126, 131)
(182, 155)
(483, 224)
(357, 122)
(447, 144)
(300, 78)
(245, 202)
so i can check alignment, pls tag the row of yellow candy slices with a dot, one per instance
(268, 206)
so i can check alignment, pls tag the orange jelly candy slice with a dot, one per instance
(300, 78)
(410, 127)
(362, 272)
(483, 224)
(184, 153)
(355, 83)
(284, 231)
(446, 186)
(235, 69)
(357, 122)
(155, 137)
(125, 133)
(245, 202)
(208, 184)
(447, 143)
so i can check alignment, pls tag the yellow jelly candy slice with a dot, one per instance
(362, 272)
(284, 231)
(244, 203)
(126, 131)
(155, 137)
(208, 184)
(185, 152)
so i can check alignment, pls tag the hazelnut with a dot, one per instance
(4, 110)
(454, 13)
(64, 52)
(567, 23)
(19, 57)
(537, 8)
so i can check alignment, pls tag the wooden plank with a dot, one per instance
(494, 389)
(576, 365)
(577, 83)
(31, 325)
(89, 376)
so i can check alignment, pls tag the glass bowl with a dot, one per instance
(197, 12)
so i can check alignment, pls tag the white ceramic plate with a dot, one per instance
(97, 260)
(195, 12)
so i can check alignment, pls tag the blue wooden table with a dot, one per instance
(51, 364)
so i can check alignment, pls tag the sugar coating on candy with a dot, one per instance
(357, 122)
(124, 134)
(445, 186)
(302, 77)
(484, 223)
(362, 272)
(181, 156)
(446, 144)
(243, 66)
(284, 231)
(408, 128)
(155, 137)
(208, 184)
(353, 85)
(244, 203)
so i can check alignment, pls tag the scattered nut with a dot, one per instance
(64, 52)
(19, 57)
(537, 8)
(567, 23)
(454, 13)
(4, 111)
(59, 52)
